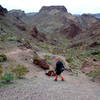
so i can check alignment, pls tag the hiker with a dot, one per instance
(59, 68)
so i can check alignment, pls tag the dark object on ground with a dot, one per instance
(42, 63)
(51, 73)
(96, 79)
(94, 44)
(95, 53)
(25, 43)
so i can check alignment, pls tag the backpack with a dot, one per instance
(59, 66)
(62, 69)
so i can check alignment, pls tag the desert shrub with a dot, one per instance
(47, 57)
(20, 70)
(0, 66)
(3, 57)
(1, 71)
(7, 77)
(35, 57)
(2, 37)
(94, 73)
(69, 60)
(9, 68)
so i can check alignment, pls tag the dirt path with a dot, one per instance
(23, 57)
(41, 87)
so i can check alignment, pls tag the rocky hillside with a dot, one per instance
(54, 30)
(56, 19)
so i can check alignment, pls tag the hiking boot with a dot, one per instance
(55, 79)
(63, 79)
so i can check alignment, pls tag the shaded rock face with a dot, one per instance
(85, 21)
(3, 11)
(36, 34)
(21, 27)
(25, 43)
(71, 31)
(49, 8)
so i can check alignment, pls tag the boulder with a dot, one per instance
(21, 27)
(36, 34)
(41, 63)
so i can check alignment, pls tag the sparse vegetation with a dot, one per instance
(9, 68)
(47, 57)
(69, 60)
(20, 70)
(94, 73)
(3, 57)
(1, 71)
(35, 57)
(7, 77)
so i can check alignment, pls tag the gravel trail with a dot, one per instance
(37, 86)
(41, 87)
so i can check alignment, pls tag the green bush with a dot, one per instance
(69, 60)
(20, 70)
(1, 71)
(8, 77)
(2, 37)
(3, 57)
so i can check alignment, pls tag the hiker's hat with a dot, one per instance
(57, 58)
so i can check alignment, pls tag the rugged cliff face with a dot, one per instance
(50, 8)
(3, 11)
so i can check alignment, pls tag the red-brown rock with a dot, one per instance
(41, 63)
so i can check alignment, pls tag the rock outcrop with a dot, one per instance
(41, 63)
(49, 8)
(3, 11)
(17, 13)
(70, 30)
(36, 34)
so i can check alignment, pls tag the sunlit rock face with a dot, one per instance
(50, 8)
